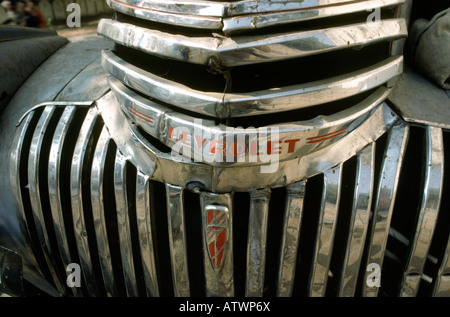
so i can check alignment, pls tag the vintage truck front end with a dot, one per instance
(242, 148)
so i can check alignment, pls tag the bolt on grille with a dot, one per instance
(80, 200)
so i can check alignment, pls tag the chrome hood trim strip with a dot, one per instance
(220, 52)
(228, 105)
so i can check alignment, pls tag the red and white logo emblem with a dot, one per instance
(216, 234)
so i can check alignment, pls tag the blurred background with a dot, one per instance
(52, 14)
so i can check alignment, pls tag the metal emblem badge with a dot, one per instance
(216, 234)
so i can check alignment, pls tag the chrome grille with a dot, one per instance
(135, 236)
(96, 184)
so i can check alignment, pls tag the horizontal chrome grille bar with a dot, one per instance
(246, 20)
(253, 21)
(309, 135)
(222, 9)
(236, 51)
(228, 105)
(180, 19)
(148, 157)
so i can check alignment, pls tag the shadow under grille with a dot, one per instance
(81, 201)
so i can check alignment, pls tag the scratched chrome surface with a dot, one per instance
(109, 147)
(222, 52)
(228, 105)
(232, 17)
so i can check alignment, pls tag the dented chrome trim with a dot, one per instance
(256, 242)
(248, 20)
(293, 214)
(228, 105)
(220, 52)
(221, 179)
(223, 8)
(191, 138)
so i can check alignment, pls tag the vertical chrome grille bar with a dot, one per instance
(291, 234)
(177, 240)
(54, 185)
(35, 193)
(144, 226)
(98, 212)
(442, 285)
(256, 244)
(217, 231)
(16, 186)
(429, 209)
(359, 222)
(325, 232)
(76, 194)
(385, 198)
(123, 224)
